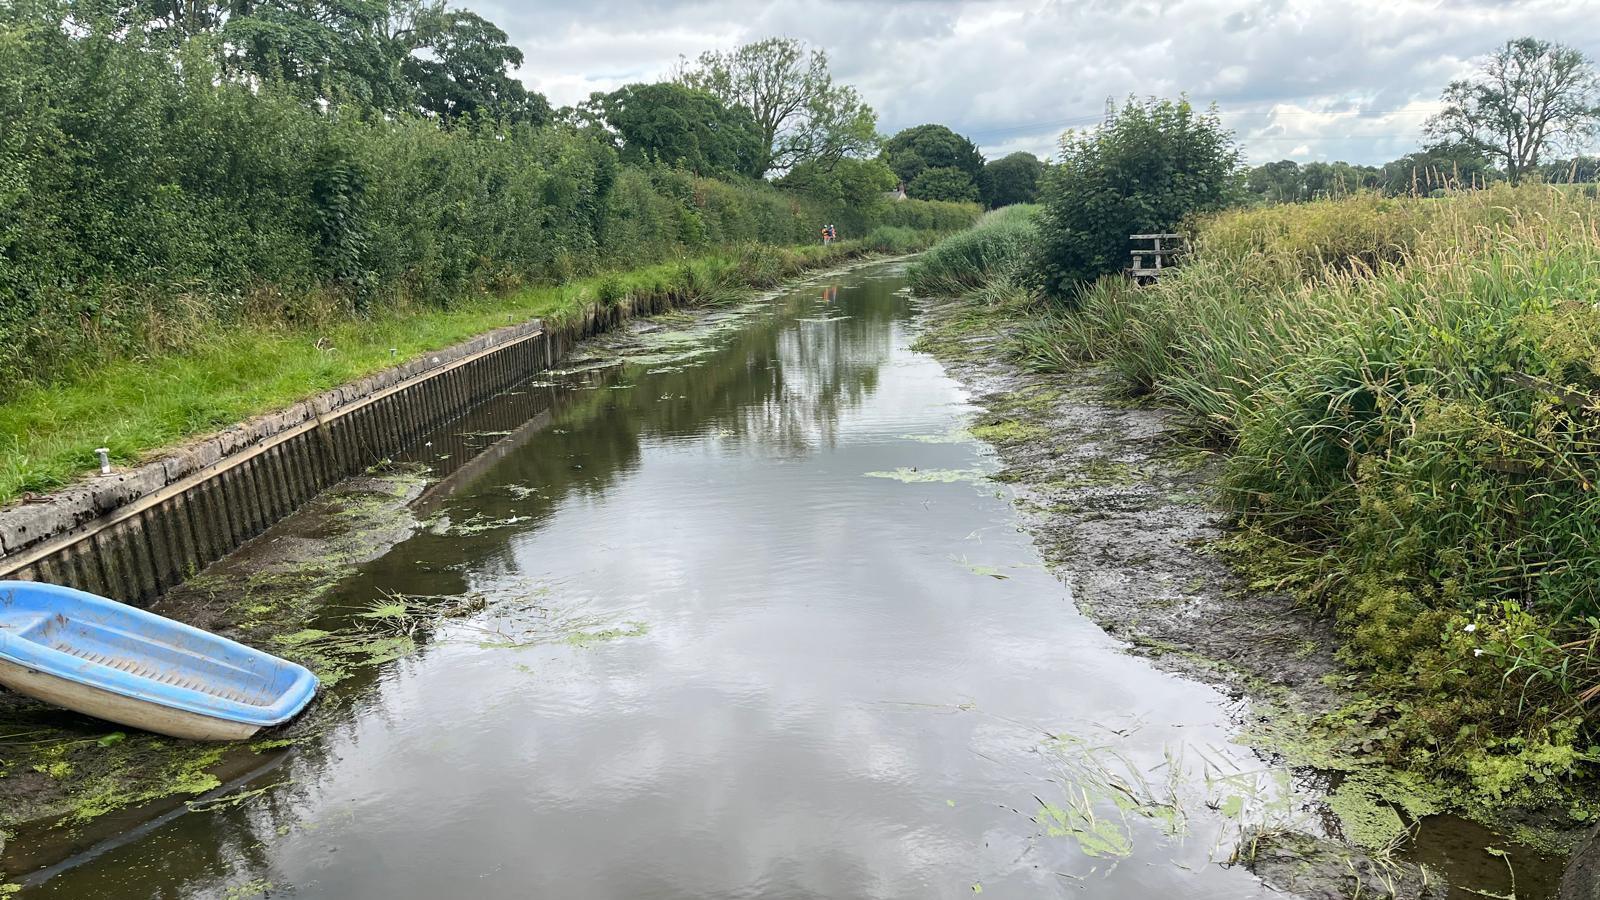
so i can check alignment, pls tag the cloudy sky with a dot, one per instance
(1298, 79)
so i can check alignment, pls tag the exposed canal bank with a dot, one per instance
(735, 604)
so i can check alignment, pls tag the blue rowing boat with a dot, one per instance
(112, 661)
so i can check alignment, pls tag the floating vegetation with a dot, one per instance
(1103, 795)
(913, 475)
(1009, 431)
(953, 436)
(1095, 836)
(977, 569)
(477, 524)
(590, 638)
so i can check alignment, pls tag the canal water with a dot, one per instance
(750, 622)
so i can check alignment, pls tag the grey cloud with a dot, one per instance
(1341, 79)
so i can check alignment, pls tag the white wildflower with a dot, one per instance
(1470, 628)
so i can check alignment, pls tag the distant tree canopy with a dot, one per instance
(1439, 167)
(1013, 179)
(1530, 96)
(467, 71)
(944, 183)
(1146, 168)
(679, 126)
(390, 55)
(802, 115)
(918, 154)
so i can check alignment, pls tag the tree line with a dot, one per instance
(1529, 97)
(169, 165)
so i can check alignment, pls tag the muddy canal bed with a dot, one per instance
(735, 606)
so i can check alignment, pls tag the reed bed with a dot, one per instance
(1410, 390)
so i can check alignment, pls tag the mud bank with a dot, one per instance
(1124, 512)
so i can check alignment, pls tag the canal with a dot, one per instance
(744, 617)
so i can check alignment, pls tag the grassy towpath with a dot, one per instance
(139, 406)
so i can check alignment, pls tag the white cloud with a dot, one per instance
(1352, 80)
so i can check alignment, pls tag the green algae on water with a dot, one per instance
(913, 475)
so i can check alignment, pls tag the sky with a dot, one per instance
(1295, 79)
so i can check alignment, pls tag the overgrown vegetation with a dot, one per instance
(1410, 388)
(996, 249)
(198, 222)
(167, 178)
(1142, 171)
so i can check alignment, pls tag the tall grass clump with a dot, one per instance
(995, 249)
(1411, 388)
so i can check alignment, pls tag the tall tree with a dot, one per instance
(467, 70)
(679, 126)
(1529, 96)
(802, 114)
(1277, 182)
(914, 151)
(1013, 179)
(324, 49)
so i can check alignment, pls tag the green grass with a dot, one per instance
(137, 406)
(994, 249)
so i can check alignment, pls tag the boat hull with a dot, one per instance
(129, 711)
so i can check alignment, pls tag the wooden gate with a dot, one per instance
(1162, 253)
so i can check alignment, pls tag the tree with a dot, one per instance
(680, 126)
(466, 72)
(1529, 96)
(943, 183)
(1277, 182)
(1577, 170)
(1337, 179)
(915, 150)
(851, 183)
(330, 50)
(1439, 167)
(802, 115)
(1013, 179)
(1145, 169)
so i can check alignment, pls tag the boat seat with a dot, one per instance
(26, 623)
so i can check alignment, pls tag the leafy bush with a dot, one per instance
(1143, 171)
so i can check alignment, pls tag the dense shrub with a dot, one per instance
(1143, 171)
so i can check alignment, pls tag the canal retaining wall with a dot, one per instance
(134, 533)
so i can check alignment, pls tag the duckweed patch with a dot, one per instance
(1009, 431)
(584, 639)
(913, 475)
